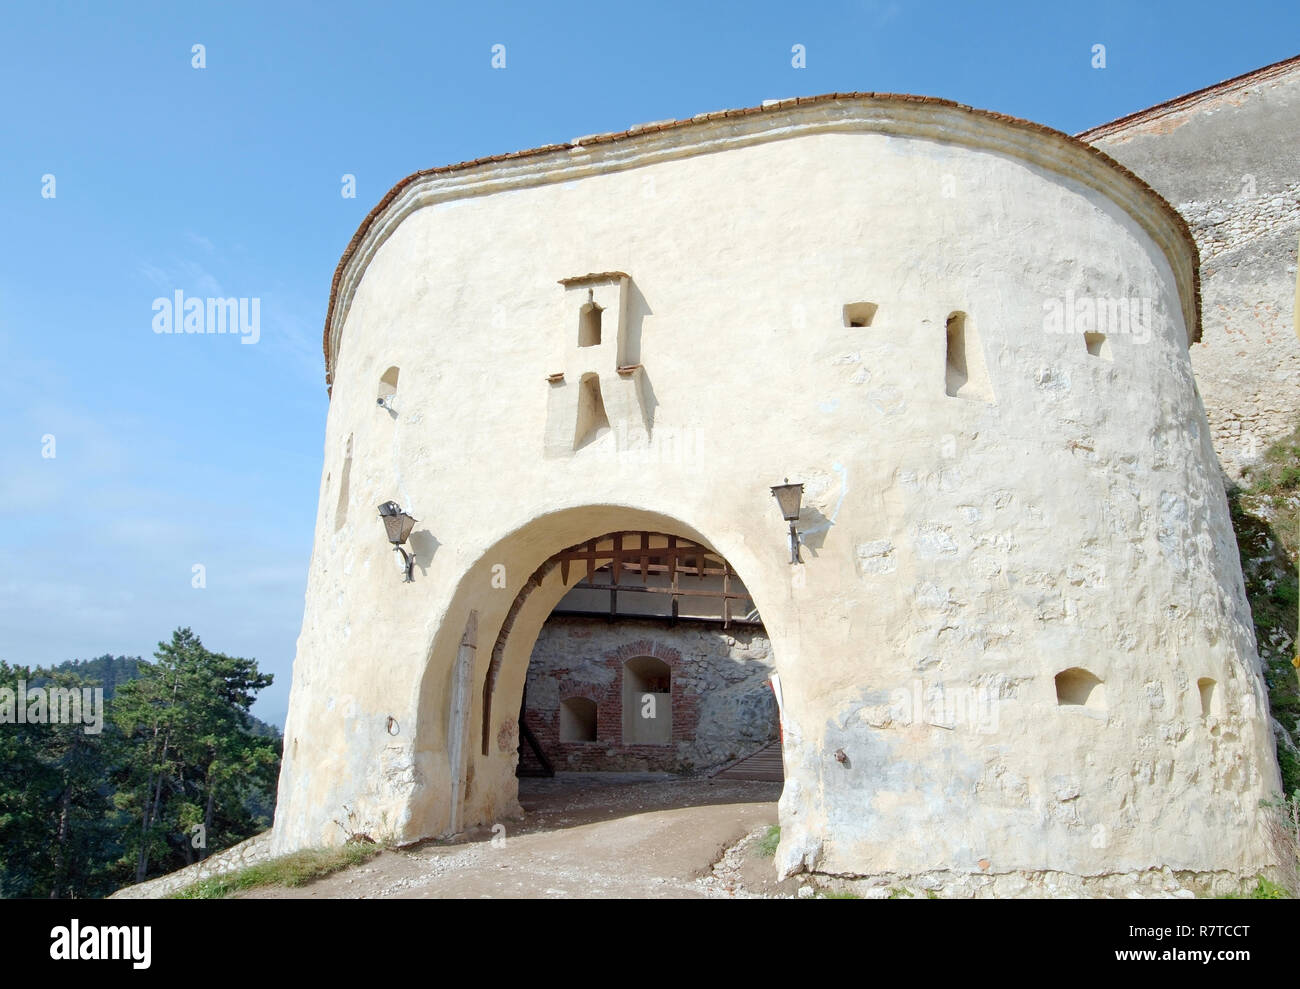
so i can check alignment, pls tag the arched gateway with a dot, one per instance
(965, 334)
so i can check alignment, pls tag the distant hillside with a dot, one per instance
(106, 671)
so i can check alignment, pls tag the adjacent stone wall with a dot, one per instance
(256, 849)
(722, 705)
(1228, 159)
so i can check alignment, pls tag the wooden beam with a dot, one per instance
(726, 601)
(672, 542)
(652, 567)
(527, 735)
(666, 619)
(674, 550)
(681, 592)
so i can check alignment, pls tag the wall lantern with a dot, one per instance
(398, 525)
(788, 497)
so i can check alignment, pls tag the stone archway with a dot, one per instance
(482, 699)
(473, 684)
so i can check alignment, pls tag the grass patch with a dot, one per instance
(839, 895)
(296, 869)
(767, 844)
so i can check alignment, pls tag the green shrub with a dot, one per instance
(1264, 890)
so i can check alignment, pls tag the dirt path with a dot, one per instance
(589, 835)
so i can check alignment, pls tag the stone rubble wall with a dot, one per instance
(723, 707)
(250, 852)
(1249, 367)
(1228, 162)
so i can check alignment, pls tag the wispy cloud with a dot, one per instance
(185, 272)
(154, 274)
(287, 332)
(882, 12)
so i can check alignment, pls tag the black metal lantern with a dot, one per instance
(398, 526)
(788, 497)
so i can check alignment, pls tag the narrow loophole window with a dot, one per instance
(859, 313)
(1098, 345)
(1205, 687)
(591, 411)
(589, 325)
(965, 374)
(1076, 687)
(341, 512)
(388, 386)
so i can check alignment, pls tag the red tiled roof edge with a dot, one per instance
(777, 105)
(1178, 102)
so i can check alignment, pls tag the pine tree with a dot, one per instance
(193, 757)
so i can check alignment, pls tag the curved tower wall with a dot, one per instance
(992, 498)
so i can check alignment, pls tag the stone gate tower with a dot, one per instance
(1018, 644)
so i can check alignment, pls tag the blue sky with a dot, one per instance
(172, 451)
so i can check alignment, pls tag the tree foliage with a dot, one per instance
(179, 770)
(193, 754)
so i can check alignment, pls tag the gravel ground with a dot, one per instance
(618, 835)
